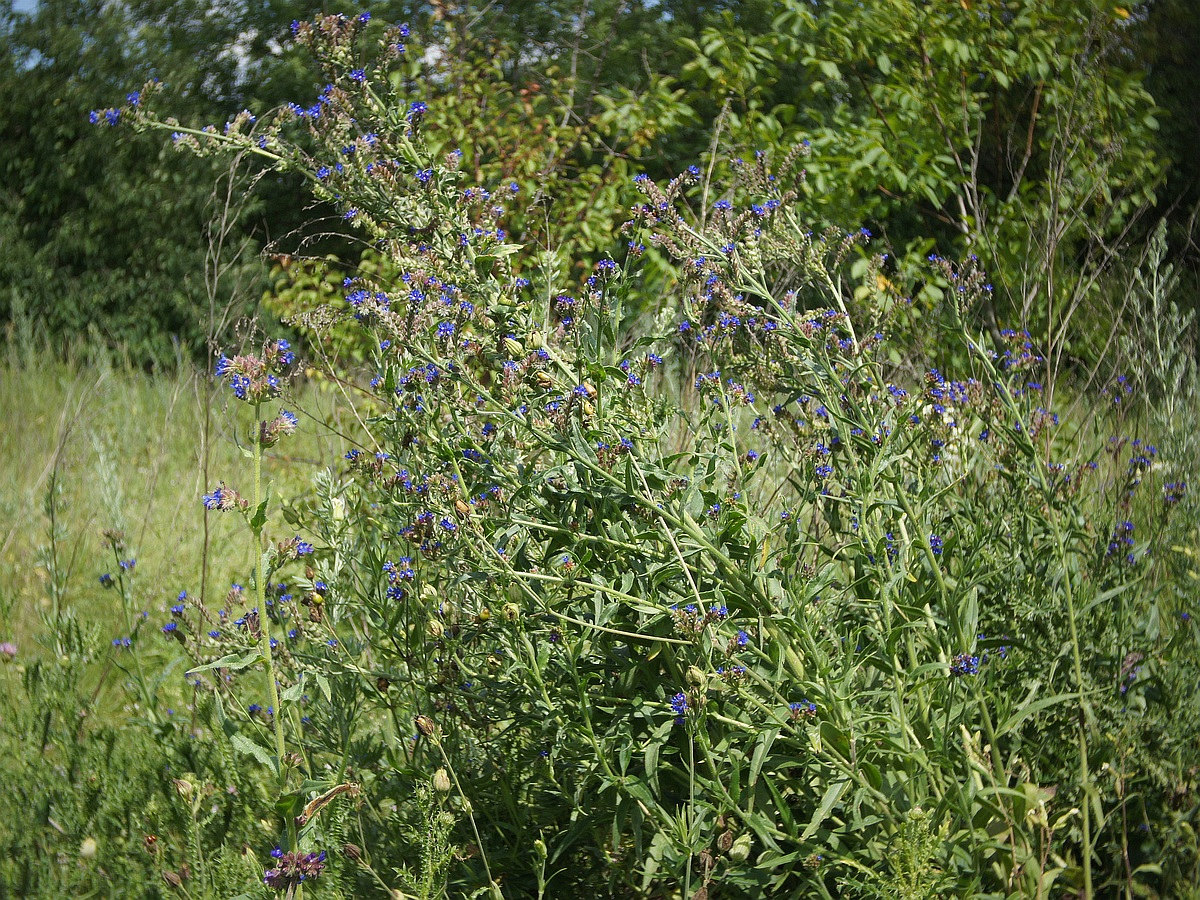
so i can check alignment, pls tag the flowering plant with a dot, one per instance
(713, 589)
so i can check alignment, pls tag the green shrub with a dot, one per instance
(727, 599)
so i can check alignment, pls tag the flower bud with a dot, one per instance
(183, 788)
(740, 851)
(436, 628)
(695, 676)
(88, 848)
(511, 612)
(441, 781)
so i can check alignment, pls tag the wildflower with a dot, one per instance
(803, 709)
(293, 868)
(935, 544)
(964, 664)
(106, 580)
(294, 548)
(679, 706)
(282, 425)
(223, 498)
(254, 379)
(8, 650)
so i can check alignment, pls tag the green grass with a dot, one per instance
(116, 448)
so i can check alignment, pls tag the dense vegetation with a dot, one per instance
(715, 452)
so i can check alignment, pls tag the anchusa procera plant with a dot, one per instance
(716, 593)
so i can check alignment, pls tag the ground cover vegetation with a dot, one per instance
(802, 512)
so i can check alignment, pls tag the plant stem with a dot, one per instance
(264, 618)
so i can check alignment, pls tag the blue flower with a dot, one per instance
(679, 706)
(804, 709)
(964, 664)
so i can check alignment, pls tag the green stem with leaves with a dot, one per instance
(257, 523)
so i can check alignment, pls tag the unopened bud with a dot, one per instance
(88, 848)
(695, 676)
(740, 851)
(441, 781)
(511, 612)
(353, 852)
(183, 788)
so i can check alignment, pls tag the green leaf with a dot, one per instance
(232, 662)
(259, 519)
(243, 744)
(832, 794)
(293, 693)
